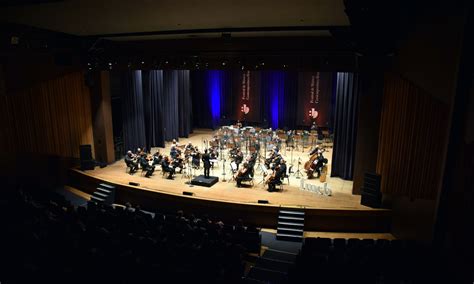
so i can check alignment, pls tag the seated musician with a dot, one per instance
(196, 158)
(130, 162)
(189, 147)
(146, 166)
(252, 159)
(275, 178)
(245, 173)
(283, 168)
(157, 157)
(316, 149)
(166, 167)
(319, 163)
(173, 152)
(239, 157)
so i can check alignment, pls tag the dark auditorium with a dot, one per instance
(251, 141)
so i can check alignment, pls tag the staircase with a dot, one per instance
(272, 267)
(290, 225)
(105, 193)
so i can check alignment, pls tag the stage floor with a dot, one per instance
(291, 195)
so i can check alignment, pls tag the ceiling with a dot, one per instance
(109, 18)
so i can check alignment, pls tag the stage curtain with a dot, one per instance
(412, 128)
(153, 103)
(345, 125)
(170, 103)
(213, 101)
(133, 112)
(52, 117)
(184, 103)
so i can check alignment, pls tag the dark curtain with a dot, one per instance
(153, 104)
(289, 108)
(184, 103)
(201, 108)
(170, 104)
(204, 85)
(134, 132)
(345, 125)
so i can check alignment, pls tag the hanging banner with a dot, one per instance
(314, 98)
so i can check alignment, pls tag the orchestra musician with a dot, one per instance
(196, 158)
(243, 174)
(275, 178)
(166, 167)
(144, 163)
(238, 158)
(130, 161)
(206, 163)
(315, 162)
(157, 158)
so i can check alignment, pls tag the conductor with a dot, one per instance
(207, 163)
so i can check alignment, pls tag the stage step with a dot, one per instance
(104, 193)
(290, 225)
(97, 199)
(108, 186)
(283, 230)
(103, 190)
(100, 194)
(289, 237)
(296, 213)
(291, 218)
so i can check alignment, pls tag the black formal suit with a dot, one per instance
(206, 163)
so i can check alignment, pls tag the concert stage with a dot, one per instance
(341, 211)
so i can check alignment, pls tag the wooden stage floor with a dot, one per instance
(291, 195)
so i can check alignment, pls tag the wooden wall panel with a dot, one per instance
(412, 137)
(52, 117)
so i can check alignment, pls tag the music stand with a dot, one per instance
(264, 171)
(298, 172)
(223, 171)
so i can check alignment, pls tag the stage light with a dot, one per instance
(223, 63)
(242, 67)
(143, 62)
(263, 63)
(110, 63)
(88, 64)
(166, 62)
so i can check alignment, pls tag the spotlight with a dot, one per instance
(223, 63)
(110, 63)
(242, 67)
(263, 63)
(143, 62)
(166, 62)
(88, 64)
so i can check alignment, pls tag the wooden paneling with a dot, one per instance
(52, 117)
(412, 136)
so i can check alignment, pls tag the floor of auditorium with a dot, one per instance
(291, 195)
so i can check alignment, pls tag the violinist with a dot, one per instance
(146, 166)
(157, 158)
(196, 158)
(166, 167)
